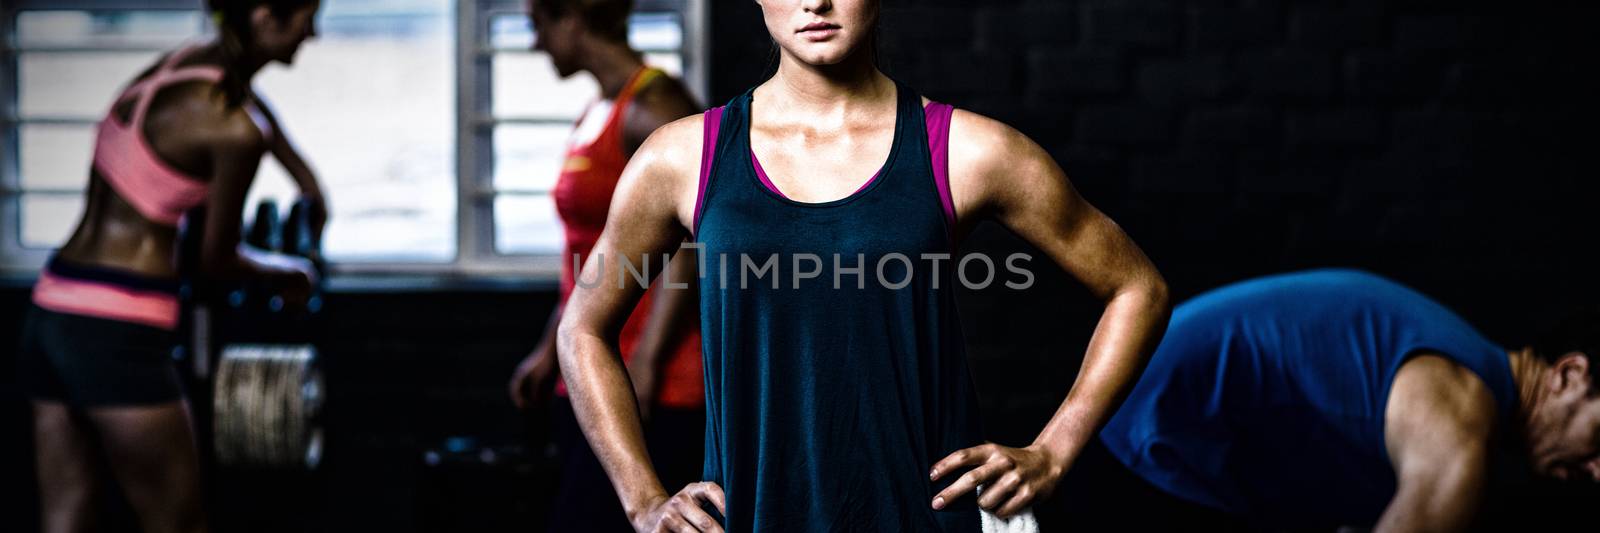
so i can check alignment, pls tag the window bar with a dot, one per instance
(105, 5)
(472, 86)
(10, 203)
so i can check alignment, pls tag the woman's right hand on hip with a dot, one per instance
(682, 513)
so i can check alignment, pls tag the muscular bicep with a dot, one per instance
(1437, 428)
(997, 172)
(646, 222)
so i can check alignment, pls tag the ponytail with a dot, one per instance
(233, 28)
(606, 18)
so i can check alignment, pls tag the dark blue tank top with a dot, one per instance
(826, 407)
(1266, 398)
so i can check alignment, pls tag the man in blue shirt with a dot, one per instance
(1338, 397)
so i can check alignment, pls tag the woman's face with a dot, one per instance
(820, 32)
(556, 36)
(279, 38)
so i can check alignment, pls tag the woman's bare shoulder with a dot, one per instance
(674, 148)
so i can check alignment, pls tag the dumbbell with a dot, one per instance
(300, 239)
(291, 235)
(266, 229)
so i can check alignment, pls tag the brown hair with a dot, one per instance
(607, 18)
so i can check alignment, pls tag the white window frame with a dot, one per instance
(476, 256)
(475, 193)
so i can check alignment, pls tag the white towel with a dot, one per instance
(1022, 522)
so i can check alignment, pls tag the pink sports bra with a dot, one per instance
(124, 157)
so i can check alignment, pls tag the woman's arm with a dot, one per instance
(996, 171)
(528, 381)
(236, 148)
(649, 213)
(285, 152)
(672, 309)
(299, 171)
(672, 313)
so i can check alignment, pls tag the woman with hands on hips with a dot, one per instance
(827, 204)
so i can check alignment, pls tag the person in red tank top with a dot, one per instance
(660, 343)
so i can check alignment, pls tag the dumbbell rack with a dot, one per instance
(244, 353)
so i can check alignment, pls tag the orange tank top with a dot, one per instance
(594, 163)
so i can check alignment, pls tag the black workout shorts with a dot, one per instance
(94, 362)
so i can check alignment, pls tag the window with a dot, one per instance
(436, 130)
(527, 113)
(370, 102)
(62, 70)
(533, 111)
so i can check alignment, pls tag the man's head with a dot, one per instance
(1563, 429)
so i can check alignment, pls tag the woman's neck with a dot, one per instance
(248, 64)
(823, 90)
(612, 64)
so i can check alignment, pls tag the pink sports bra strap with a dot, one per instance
(168, 74)
(938, 122)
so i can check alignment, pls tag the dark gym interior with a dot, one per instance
(1444, 144)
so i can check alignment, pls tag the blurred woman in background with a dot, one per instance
(96, 354)
(660, 342)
